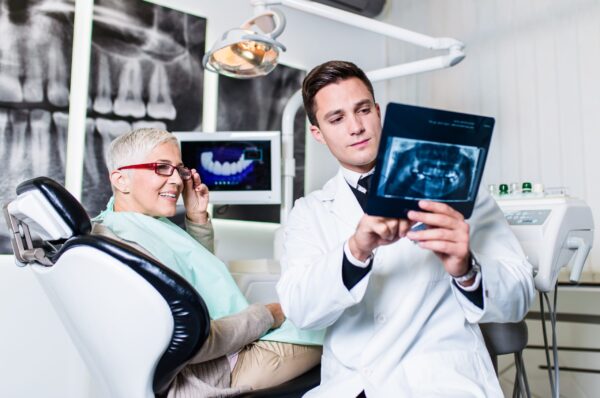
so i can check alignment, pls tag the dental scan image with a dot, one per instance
(415, 170)
(36, 40)
(230, 166)
(428, 154)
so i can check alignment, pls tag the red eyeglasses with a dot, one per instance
(162, 169)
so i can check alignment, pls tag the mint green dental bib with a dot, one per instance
(178, 250)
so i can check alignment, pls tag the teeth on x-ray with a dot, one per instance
(33, 89)
(110, 130)
(58, 92)
(39, 121)
(91, 166)
(19, 120)
(129, 100)
(160, 105)
(102, 102)
(3, 133)
(225, 168)
(10, 87)
(432, 171)
(61, 121)
(149, 124)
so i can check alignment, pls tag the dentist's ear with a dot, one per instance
(120, 181)
(316, 133)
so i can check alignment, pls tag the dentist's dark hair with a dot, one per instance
(330, 72)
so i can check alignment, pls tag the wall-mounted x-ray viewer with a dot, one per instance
(238, 167)
(428, 154)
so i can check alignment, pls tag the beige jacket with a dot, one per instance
(208, 373)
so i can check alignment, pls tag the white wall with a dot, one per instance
(36, 357)
(534, 66)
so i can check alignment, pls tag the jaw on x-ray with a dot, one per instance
(415, 170)
(430, 154)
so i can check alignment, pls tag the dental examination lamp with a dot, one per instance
(252, 51)
(245, 53)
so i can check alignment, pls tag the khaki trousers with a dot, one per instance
(264, 364)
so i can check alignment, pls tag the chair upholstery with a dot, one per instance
(133, 320)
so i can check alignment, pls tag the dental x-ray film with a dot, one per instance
(428, 154)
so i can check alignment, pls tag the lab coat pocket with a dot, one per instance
(451, 374)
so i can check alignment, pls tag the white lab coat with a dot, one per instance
(404, 330)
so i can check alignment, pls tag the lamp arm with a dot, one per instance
(372, 25)
(411, 68)
(287, 151)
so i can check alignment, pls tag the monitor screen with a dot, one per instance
(238, 168)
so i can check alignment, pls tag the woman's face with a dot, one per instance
(152, 194)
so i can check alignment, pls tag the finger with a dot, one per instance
(440, 208)
(196, 181)
(403, 227)
(434, 219)
(444, 247)
(451, 235)
(387, 230)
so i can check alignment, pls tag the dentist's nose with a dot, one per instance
(356, 125)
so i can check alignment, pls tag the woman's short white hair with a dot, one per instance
(133, 147)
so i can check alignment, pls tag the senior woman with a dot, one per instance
(147, 178)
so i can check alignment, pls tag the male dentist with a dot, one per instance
(401, 317)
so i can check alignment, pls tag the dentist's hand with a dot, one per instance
(195, 199)
(373, 232)
(447, 235)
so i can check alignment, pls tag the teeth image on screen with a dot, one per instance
(229, 171)
(420, 169)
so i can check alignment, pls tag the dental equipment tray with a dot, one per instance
(428, 154)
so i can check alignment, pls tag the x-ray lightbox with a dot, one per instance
(428, 154)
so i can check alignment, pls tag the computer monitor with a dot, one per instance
(241, 167)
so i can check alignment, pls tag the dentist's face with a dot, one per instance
(349, 123)
(149, 193)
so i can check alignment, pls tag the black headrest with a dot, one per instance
(191, 321)
(63, 202)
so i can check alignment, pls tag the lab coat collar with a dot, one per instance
(344, 203)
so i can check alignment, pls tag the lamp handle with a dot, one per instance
(270, 22)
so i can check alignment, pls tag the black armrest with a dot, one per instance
(294, 388)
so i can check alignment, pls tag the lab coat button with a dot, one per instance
(366, 372)
(380, 318)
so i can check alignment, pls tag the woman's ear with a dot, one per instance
(120, 181)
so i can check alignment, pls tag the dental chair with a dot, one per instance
(134, 322)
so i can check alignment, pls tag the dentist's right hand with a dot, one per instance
(373, 231)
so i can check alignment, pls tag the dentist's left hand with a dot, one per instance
(195, 199)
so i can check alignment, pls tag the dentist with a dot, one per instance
(401, 318)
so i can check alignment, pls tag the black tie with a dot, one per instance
(364, 183)
(362, 189)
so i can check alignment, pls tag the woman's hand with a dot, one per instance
(195, 199)
(277, 312)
